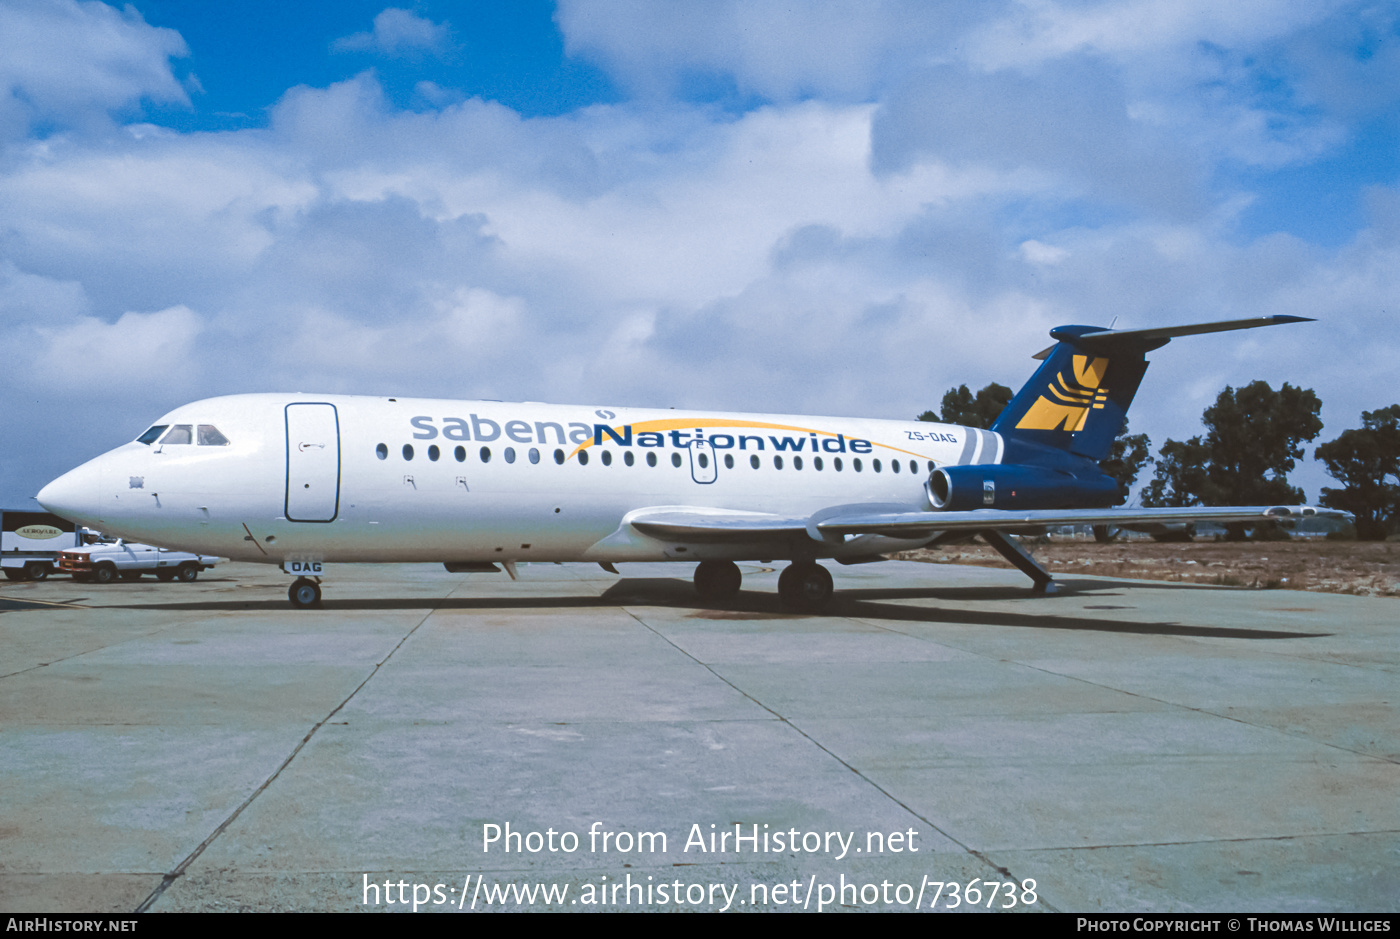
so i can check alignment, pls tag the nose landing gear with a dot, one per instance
(304, 593)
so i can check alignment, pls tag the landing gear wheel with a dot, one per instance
(304, 593)
(187, 572)
(37, 571)
(717, 580)
(805, 586)
(103, 574)
(165, 575)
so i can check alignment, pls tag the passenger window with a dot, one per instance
(209, 436)
(460, 454)
(651, 459)
(607, 458)
(180, 433)
(676, 460)
(382, 452)
(856, 465)
(728, 461)
(628, 458)
(836, 462)
(876, 465)
(913, 466)
(777, 462)
(704, 461)
(510, 454)
(408, 451)
(817, 463)
(534, 455)
(754, 461)
(894, 466)
(149, 437)
(583, 458)
(434, 453)
(930, 466)
(486, 454)
(797, 462)
(559, 457)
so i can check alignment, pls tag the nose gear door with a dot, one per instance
(313, 463)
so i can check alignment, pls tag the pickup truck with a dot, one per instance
(103, 560)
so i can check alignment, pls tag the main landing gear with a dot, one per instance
(805, 586)
(718, 580)
(1042, 581)
(304, 593)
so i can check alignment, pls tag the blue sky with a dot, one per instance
(824, 207)
(247, 55)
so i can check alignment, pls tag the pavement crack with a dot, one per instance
(179, 871)
(783, 719)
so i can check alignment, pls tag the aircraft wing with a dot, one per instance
(700, 524)
(912, 524)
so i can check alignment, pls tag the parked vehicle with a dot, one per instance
(102, 560)
(30, 542)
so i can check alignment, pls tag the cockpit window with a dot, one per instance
(149, 437)
(180, 433)
(209, 436)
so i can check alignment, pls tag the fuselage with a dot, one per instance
(278, 477)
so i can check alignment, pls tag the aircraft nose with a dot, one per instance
(75, 495)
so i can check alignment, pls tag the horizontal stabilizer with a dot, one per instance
(1106, 341)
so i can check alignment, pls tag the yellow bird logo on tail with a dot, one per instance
(1066, 406)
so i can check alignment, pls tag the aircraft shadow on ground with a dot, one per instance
(862, 603)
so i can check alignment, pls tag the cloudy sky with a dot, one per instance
(824, 207)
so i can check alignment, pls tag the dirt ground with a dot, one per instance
(1363, 568)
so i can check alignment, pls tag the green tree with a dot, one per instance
(1125, 460)
(1254, 437)
(960, 406)
(1181, 474)
(1365, 459)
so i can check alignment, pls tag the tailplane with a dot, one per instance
(1078, 399)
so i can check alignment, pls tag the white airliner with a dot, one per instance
(305, 480)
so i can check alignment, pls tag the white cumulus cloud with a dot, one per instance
(73, 63)
(399, 33)
(90, 354)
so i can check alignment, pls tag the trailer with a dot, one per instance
(31, 541)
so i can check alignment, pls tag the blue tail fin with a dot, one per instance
(1078, 399)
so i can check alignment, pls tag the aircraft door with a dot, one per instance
(702, 461)
(313, 463)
